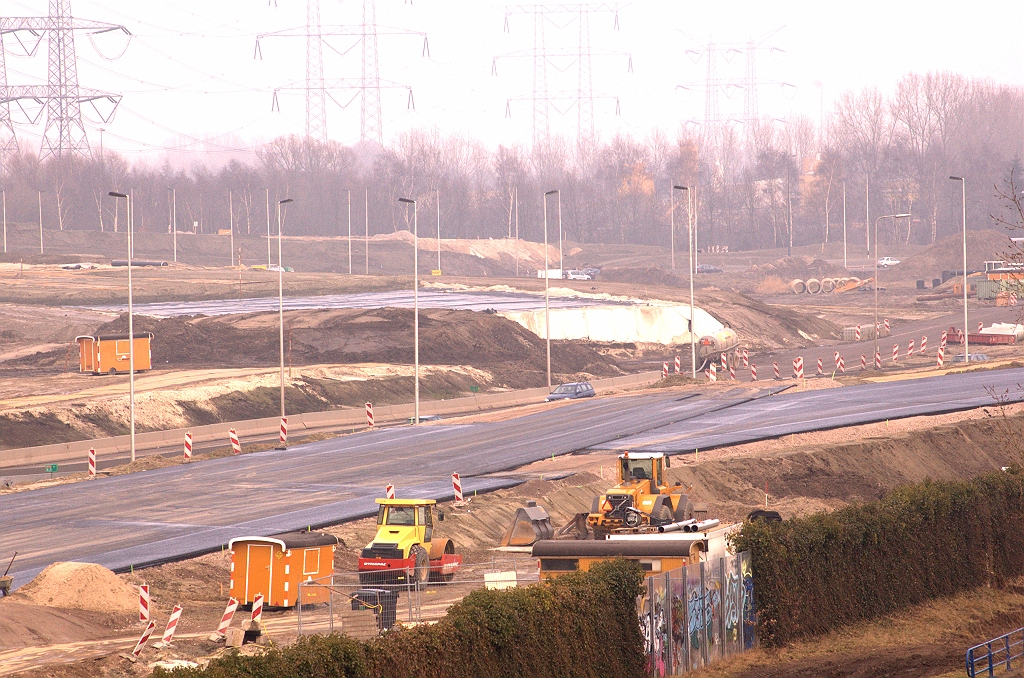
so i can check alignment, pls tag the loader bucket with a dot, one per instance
(528, 525)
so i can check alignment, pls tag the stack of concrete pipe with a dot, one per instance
(816, 286)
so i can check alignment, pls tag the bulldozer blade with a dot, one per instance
(528, 525)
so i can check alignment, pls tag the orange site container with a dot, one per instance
(274, 566)
(108, 353)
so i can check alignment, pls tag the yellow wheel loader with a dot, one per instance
(642, 497)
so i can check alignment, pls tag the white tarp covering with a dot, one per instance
(668, 324)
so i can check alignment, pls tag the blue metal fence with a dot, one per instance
(998, 652)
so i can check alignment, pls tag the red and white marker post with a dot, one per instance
(457, 488)
(369, 415)
(878, 359)
(753, 372)
(225, 619)
(144, 603)
(842, 365)
(144, 639)
(188, 446)
(820, 373)
(713, 372)
(836, 356)
(924, 344)
(981, 326)
(775, 366)
(664, 370)
(283, 437)
(389, 492)
(732, 372)
(942, 341)
(725, 364)
(910, 348)
(678, 365)
(236, 447)
(940, 357)
(1013, 298)
(798, 368)
(856, 333)
(746, 359)
(863, 362)
(887, 326)
(92, 463)
(895, 353)
(172, 626)
(257, 609)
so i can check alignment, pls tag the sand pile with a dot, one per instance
(80, 586)
(947, 254)
(482, 249)
(788, 268)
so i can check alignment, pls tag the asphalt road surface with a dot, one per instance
(165, 514)
(468, 301)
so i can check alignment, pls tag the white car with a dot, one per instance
(577, 275)
(886, 262)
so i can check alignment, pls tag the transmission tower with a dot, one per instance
(561, 59)
(64, 133)
(319, 88)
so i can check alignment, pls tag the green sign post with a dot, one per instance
(474, 389)
(51, 469)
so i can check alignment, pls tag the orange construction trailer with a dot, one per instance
(108, 353)
(275, 566)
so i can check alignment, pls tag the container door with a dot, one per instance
(258, 572)
(85, 355)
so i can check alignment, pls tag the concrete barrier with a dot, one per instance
(308, 422)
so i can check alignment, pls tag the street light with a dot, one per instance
(41, 223)
(174, 221)
(844, 223)
(437, 201)
(547, 304)
(280, 297)
(131, 326)
(884, 216)
(689, 249)
(963, 203)
(561, 266)
(672, 223)
(415, 305)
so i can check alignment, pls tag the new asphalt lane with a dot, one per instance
(160, 515)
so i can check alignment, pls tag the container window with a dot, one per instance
(122, 347)
(311, 561)
(558, 565)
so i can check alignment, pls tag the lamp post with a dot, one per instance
(348, 194)
(884, 216)
(366, 225)
(41, 224)
(415, 305)
(4, 193)
(174, 222)
(437, 202)
(689, 249)
(672, 223)
(963, 204)
(131, 326)
(267, 191)
(844, 223)
(280, 297)
(561, 266)
(547, 304)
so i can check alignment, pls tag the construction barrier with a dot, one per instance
(924, 344)
(842, 365)
(940, 357)
(664, 370)
(910, 348)
(225, 619)
(857, 333)
(236, 448)
(732, 372)
(820, 373)
(144, 603)
(188, 446)
(1013, 298)
(836, 357)
(981, 326)
(677, 365)
(886, 326)
(775, 366)
(257, 609)
(144, 639)
(172, 625)
(92, 462)
(878, 360)
(457, 487)
(863, 362)
(798, 368)
(713, 372)
(369, 414)
(942, 342)
(753, 372)
(895, 353)
(283, 438)
(389, 491)
(746, 359)
(725, 363)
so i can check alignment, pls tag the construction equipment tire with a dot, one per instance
(422, 567)
(684, 511)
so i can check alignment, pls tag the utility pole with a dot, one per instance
(348, 195)
(231, 224)
(844, 223)
(437, 200)
(41, 222)
(268, 227)
(280, 297)
(366, 225)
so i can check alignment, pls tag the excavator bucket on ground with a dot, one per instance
(529, 525)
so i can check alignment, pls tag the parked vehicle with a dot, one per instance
(572, 391)
(886, 262)
(405, 550)
(577, 275)
(591, 271)
(708, 268)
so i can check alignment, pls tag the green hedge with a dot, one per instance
(581, 624)
(815, 574)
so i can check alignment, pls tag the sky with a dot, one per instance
(192, 90)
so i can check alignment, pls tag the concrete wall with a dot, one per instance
(657, 324)
(297, 423)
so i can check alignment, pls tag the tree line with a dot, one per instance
(754, 186)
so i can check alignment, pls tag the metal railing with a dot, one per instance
(340, 603)
(996, 653)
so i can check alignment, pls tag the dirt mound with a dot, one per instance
(80, 586)
(788, 268)
(650, 275)
(947, 254)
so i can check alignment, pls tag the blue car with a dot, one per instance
(571, 391)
